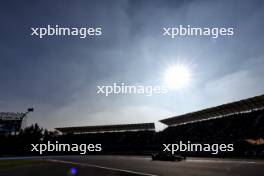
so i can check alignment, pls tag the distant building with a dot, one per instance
(12, 122)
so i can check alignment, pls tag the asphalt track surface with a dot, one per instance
(136, 165)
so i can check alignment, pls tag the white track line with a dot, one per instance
(101, 167)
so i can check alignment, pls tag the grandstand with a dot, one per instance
(12, 122)
(240, 123)
(108, 128)
(245, 105)
(240, 126)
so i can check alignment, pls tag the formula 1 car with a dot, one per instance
(166, 156)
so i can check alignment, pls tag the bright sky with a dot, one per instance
(58, 76)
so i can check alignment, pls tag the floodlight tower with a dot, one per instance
(24, 117)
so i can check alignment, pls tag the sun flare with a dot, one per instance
(177, 76)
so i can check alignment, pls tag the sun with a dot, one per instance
(177, 76)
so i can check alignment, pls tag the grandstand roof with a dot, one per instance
(218, 111)
(108, 128)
